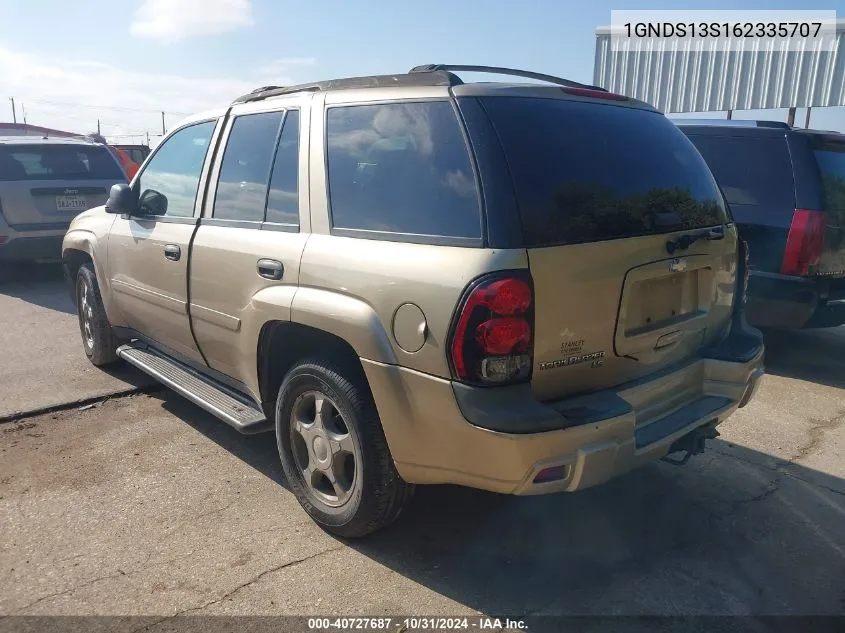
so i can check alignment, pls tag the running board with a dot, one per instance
(234, 409)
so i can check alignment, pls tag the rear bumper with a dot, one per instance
(781, 301)
(440, 432)
(37, 247)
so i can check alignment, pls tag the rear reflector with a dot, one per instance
(805, 243)
(594, 94)
(4, 239)
(553, 473)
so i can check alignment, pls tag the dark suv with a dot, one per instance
(786, 189)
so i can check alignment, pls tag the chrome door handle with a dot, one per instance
(173, 252)
(270, 269)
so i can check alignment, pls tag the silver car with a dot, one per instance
(44, 184)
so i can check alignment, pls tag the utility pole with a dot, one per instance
(148, 138)
(23, 110)
(15, 114)
(163, 131)
(98, 126)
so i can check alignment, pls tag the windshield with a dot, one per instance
(587, 172)
(58, 162)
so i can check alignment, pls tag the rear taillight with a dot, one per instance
(4, 239)
(805, 243)
(492, 340)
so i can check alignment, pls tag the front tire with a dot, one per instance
(333, 450)
(98, 339)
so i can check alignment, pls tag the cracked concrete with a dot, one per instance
(257, 578)
(817, 432)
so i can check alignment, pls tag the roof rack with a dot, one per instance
(731, 123)
(374, 81)
(497, 70)
(427, 75)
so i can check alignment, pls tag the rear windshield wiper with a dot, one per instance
(683, 242)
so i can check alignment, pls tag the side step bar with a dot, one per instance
(217, 399)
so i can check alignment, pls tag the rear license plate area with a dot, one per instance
(662, 299)
(71, 203)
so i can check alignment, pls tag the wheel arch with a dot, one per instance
(81, 246)
(282, 344)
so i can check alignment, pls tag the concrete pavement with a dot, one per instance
(42, 363)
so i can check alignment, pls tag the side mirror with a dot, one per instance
(122, 200)
(152, 203)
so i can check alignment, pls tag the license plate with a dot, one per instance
(71, 203)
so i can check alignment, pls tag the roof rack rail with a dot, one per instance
(778, 124)
(730, 123)
(427, 68)
(426, 75)
(373, 81)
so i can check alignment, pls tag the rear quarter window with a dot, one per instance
(831, 160)
(401, 168)
(58, 162)
(751, 171)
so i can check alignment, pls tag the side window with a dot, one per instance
(401, 168)
(168, 185)
(283, 199)
(242, 185)
(754, 172)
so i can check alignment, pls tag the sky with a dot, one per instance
(122, 62)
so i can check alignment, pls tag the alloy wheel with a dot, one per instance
(325, 451)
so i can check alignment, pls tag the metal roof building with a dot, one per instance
(700, 79)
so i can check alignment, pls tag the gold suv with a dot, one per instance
(521, 287)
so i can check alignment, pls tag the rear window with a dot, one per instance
(586, 172)
(831, 159)
(751, 171)
(58, 162)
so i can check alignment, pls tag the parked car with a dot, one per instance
(137, 153)
(522, 288)
(786, 189)
(44, 183)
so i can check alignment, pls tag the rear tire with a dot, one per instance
(98, 338)
(333, 450)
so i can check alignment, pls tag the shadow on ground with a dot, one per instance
(735, 532)
(814, 355)
(39, 284)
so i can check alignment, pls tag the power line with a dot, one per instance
(102, 107)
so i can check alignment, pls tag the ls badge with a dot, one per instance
(677, 264)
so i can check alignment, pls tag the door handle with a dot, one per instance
(270, 269)
(173, 252)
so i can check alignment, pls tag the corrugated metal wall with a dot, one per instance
(699, 80)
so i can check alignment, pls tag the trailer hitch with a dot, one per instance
(690, 444)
